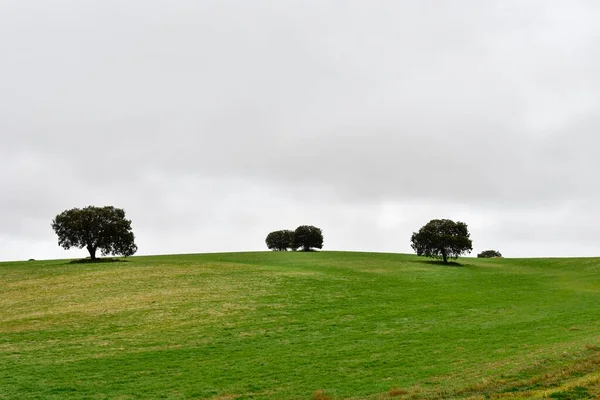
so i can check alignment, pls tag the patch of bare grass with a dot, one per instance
(320, 395)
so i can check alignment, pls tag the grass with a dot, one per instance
(323, 325)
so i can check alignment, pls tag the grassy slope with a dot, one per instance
(282, 325)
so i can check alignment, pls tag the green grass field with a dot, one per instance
(300, 326)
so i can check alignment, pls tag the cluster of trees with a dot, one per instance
(305, 237)
(489, 254)
(106, 229)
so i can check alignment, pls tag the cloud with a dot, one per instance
(211, 122)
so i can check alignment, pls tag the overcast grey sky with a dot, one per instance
(214, 122)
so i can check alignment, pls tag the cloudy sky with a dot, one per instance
(214, 122)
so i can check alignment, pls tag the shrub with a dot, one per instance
(489, 254)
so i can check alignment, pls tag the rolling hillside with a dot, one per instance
(300, 325)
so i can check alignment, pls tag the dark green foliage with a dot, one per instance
(308, 237)
(442, 238)
(95, 228)
(281, 240)
(489, 254)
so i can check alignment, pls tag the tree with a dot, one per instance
(442, 238)
(95, 228)
(281, 240)
(489, 254)
(308, 237)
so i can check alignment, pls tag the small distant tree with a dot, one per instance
(308, 237)
(489, 254)
(281, 240)
(95, 228)
(442, 238)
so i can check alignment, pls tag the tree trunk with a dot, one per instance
(92, 251)
(445, 257)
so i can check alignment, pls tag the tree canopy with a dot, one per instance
(489, 254)
(281, 240)
(95, 228)
(308, 237)
(442, 238)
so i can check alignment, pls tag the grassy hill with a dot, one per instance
(300, 326)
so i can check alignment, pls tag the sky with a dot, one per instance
(215, 122)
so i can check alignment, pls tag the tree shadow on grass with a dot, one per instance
(443, 264)
(97, 261)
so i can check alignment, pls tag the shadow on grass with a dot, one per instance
(443, 264)
(97, 261)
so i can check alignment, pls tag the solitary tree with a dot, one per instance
(308, 237)
(281, 240)
(95, 228)
(442, 238)
(489, 254)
